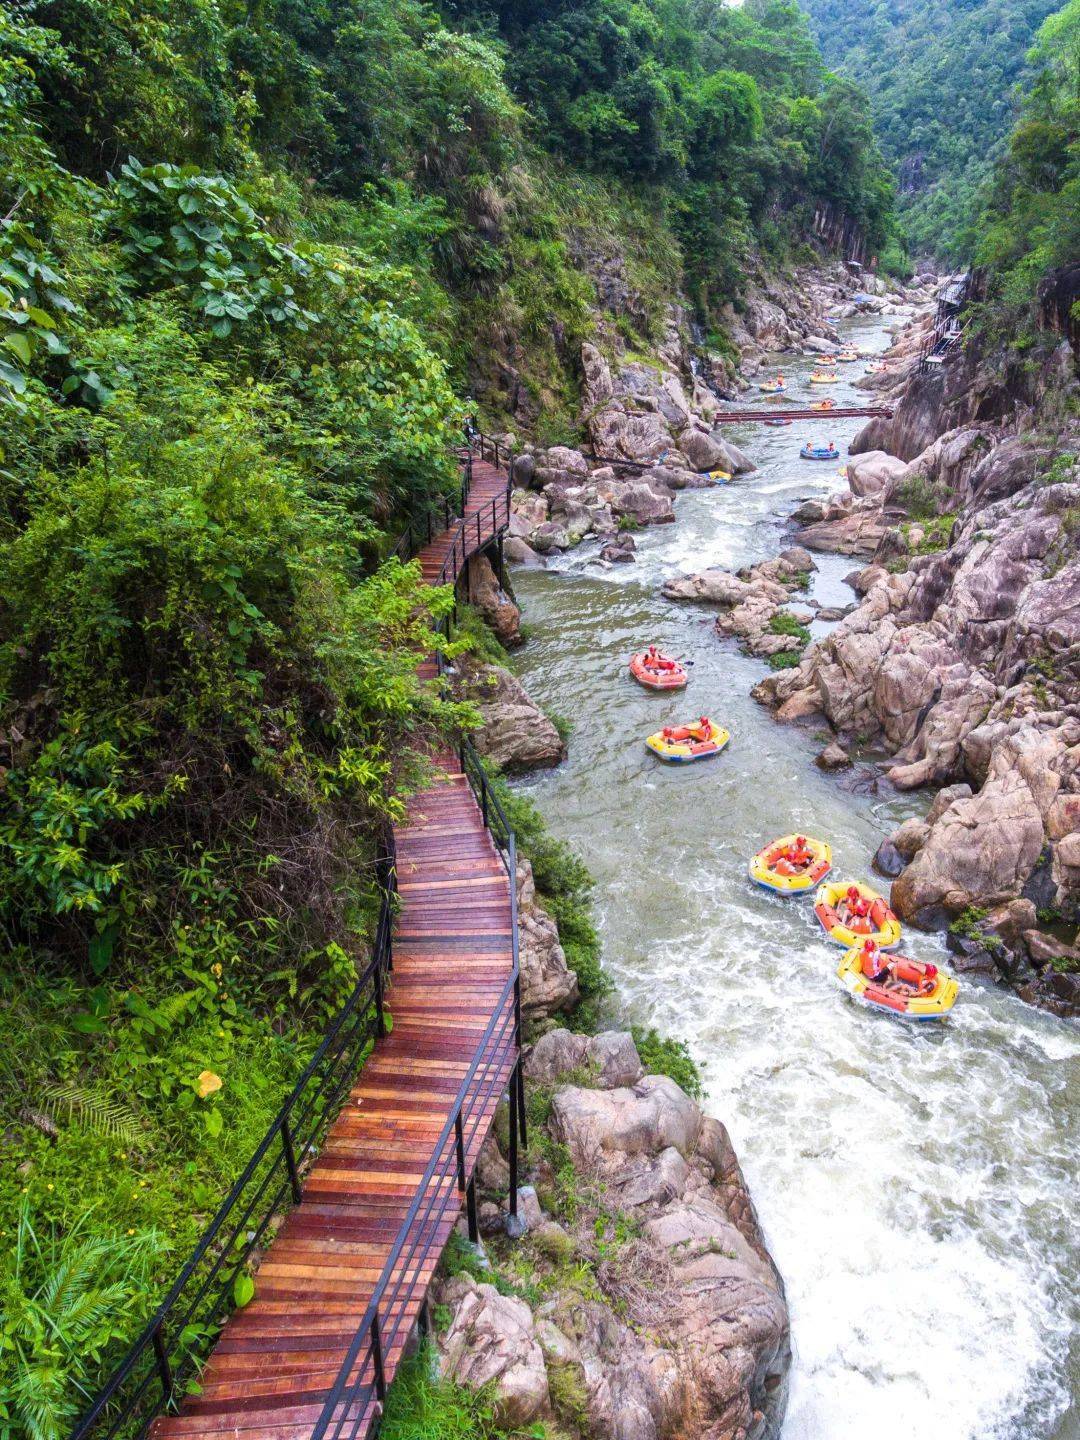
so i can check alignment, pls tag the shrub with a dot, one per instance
(663, 1055)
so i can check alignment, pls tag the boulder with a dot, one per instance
(887, 860)
(702, 451)
(599, 1127)
(547, 982)
(982, 849)
(495, 605)
(519, 552)
(492, 1340)
(734, 460)
(514, 732)
(620, 550)
(833, 757)
(638, 500)
(610, 1059)
(870, 472)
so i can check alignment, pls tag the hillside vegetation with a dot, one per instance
(251, 259)
(1029, 238)
(941, 82)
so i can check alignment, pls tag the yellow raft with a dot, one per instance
(824, 377)
(681, 744)
(879, 924)
(770, 869)
(916, 991)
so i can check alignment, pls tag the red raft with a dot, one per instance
(656, 671)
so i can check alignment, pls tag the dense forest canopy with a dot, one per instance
(1030, 228)
(941, 81)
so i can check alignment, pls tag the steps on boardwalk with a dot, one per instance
(277, 1360)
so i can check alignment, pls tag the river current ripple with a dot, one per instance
(918, 1187)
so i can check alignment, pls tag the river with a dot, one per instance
(918, 1187)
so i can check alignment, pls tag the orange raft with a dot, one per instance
(682, 744)
(772, 868)
(656, 671)
(846, 928)
(910, 989)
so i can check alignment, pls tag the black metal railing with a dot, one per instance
(167, 1356)
(423, 528)
(473, 533)
(160, 1366)
(360, 1387)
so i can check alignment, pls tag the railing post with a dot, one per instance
(459, 1145)
(376, 1357)
(290, 1160)
(164, 1369)
(380, 1018)
(521, 1107)
(514, 1142)
(470, 1212)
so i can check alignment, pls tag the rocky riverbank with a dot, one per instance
(639, 1301)
(651, 422)
(963, 657)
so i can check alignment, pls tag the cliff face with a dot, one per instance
(963, 658)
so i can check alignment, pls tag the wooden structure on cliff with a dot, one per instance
(376, 1146)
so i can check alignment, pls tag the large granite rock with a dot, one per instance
(547, 982)
(495, 605)
(514, 733)
(685, 1330)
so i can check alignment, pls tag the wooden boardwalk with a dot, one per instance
(366, 1213)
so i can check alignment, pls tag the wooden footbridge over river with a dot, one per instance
(346, 1206)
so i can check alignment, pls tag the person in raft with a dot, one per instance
(655, 661)
(874, 964)
(702, 730)
(798, 855)
(854, 906)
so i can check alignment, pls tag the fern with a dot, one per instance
(68, 1300)
(111, 1118)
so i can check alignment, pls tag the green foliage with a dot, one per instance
(935, 536)
(782, 623)
(924, 500)
(968, 926)
(941, 88)
(784, 660)
(64, 1300)
(663, 1055)
(1032, 218)
(420, 1406)
(179, 226)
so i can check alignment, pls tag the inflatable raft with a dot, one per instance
(823, 404)
(819, 452)
(847, 357)
(774, 871)
(682, 744)
(878, 924)
(772, 387)
(909, 989)
(656, 671)
(824, 377)
(777, 420)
